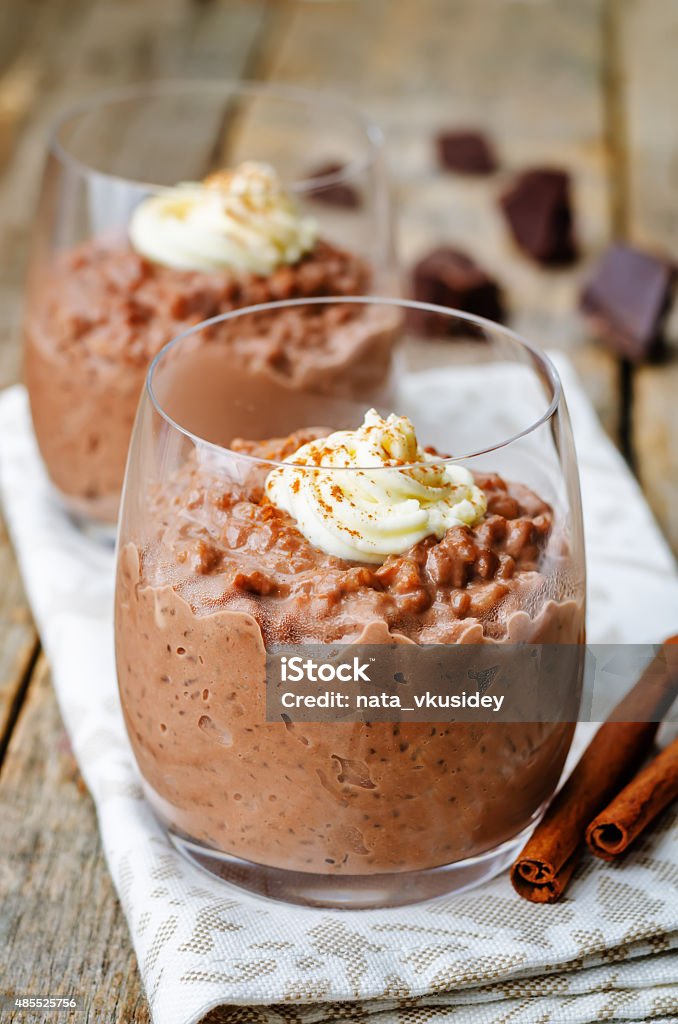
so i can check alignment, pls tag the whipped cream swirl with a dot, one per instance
(240, 220)
(373, 491)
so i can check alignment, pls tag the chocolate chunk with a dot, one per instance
(467, 152)
(627, 299)
(539, 214)
(448, 277)
(337, 193)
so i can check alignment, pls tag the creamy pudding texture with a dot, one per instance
(104, 311)
(227, 573)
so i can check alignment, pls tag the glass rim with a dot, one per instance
(167, 86)
(538, 356)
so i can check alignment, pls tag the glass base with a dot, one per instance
(353, 892)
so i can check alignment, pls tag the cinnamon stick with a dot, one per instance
(636, 806)
(544, 868)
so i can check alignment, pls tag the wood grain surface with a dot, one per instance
(648, 48)
(588, 84)
(61, 928)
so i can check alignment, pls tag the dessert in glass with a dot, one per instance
(167, 204)
(434, 502)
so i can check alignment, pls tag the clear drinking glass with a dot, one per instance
(97, 311)
(213, 577)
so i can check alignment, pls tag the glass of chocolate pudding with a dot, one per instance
(412, 511)
(166, 204)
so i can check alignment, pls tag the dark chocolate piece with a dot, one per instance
(338, 193)
(448, 277)
(539, 214)
(627, 299)
(466, 152)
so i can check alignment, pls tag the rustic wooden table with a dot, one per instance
(587, 84)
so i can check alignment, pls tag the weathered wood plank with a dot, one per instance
(18, 85)
(10, 350)
(655, 438)
(648, 36)
(62, 931)
(648, 41)
(16, 21)
(18, 640)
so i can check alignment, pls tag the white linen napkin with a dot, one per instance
(607, 951)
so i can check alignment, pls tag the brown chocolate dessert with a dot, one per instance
(538, 211)
(627, 299)
(223, 574)
(104, 311)
(448, 277)
(466, 152)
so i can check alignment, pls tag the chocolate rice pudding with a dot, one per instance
(103, 311)
(226, 573)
